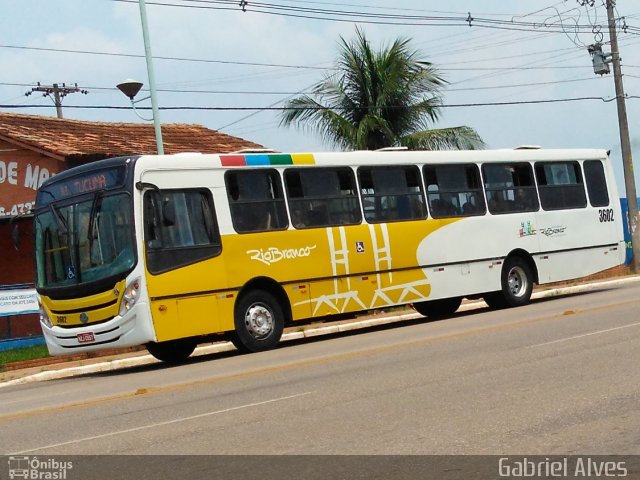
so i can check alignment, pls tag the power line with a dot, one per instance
(255, 92)
(180, 59)
(200, 60)
(363, 17)
(205, 108)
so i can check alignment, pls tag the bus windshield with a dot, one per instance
(86, 241)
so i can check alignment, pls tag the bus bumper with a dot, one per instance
(122, 331)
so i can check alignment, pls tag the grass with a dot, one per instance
(20, 354)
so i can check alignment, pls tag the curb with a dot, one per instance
(147, 359)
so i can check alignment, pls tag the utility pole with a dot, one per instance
(625, 143)
(57, 92)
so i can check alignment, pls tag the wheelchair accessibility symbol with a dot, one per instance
(360, 247)
(71, 272)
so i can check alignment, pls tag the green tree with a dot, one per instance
(379, 99)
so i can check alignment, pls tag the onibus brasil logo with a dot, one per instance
(34, 468)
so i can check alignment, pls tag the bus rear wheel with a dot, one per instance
(517, 285)
(174, 351)
(441, 308)
(259, 322)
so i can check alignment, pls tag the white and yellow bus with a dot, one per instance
(171, 251)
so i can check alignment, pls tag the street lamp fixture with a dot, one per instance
(131, 88)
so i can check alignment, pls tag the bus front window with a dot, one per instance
(84, 242)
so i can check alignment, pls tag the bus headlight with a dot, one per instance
(130, 297)
(44, 318)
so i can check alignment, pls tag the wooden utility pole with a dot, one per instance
(625, 143)
(58, 93)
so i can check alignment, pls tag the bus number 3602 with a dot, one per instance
(606, 215)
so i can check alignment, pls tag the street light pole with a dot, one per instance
(152, 80)
(625, 143)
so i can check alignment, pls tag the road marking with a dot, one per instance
(585, 335)
(161, 424)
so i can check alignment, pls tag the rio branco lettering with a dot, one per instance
(272, 255)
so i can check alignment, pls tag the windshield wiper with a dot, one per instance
(95, 206)
(62, 223)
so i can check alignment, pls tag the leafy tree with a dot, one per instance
(379, 99)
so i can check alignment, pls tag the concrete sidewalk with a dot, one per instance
(66, 368)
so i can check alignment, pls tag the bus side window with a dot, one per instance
(180, 228)
(596, 183)
(256, 200)
(322, 197)
(510, 188)
(391, 193)
(454, 190)
(560, 185)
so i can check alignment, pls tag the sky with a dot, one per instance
(234, 64)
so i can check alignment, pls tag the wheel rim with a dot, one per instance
(259, 321)
(518, 282)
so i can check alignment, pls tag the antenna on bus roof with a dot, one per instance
(528, 147)
(255, 150)
(392, 149)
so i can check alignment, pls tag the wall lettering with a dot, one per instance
(9, 172)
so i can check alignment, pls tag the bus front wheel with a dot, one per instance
(259, 322)
(174, 351)
(440, 308)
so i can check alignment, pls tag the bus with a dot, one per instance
(175, 250)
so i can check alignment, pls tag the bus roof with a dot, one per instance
(356, 158)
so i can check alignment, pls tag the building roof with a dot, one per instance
(82, 140)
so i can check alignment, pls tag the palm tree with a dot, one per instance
(379, 99)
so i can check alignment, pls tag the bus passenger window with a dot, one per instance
(510, 187)
(454, 190)
(322, 197)
(256, 200)
(596, 183)
(391, 194)
(560, 185)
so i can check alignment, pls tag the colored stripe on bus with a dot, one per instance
(303, 159)
(232, 160)
(280, 159)
(272, 159)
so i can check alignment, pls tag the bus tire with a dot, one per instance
(495, 300)
(174, 351)
(517, 282)
(259, 322)
(440, 308)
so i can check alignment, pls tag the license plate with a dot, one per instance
(86, 337)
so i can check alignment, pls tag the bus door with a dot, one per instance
(182, 247)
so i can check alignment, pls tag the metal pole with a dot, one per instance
(152, 80)
(625, 144)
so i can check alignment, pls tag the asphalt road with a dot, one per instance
(559, 376)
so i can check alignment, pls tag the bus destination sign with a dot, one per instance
(86, 183)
